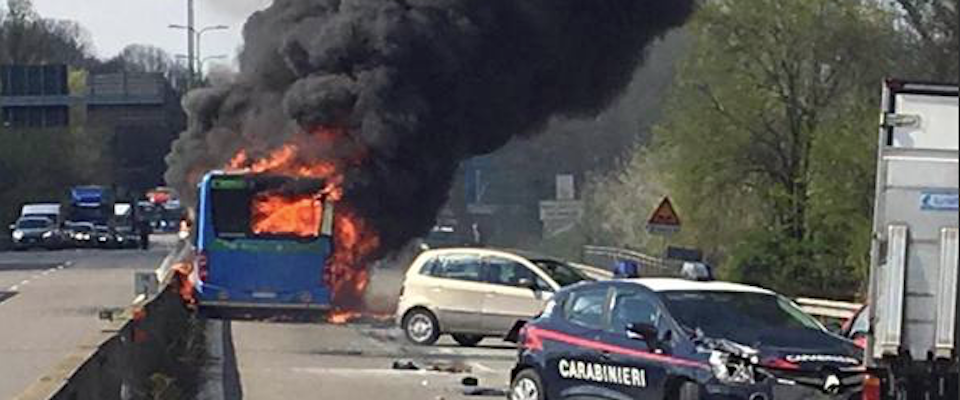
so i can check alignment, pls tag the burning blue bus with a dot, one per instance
(262, 243)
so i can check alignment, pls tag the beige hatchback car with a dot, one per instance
(476, 293)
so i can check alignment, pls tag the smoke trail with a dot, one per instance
(419, 85)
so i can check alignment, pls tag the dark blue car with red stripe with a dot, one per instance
(676, 339)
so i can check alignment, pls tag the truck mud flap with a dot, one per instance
(947, 302)
(889, 335)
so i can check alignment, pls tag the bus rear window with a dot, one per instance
(266, 207)
(275, 213)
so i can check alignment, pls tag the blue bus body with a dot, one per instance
(236, 268)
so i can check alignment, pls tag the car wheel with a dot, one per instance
(421, 327)
(689, 391)
(527, 386)
(467, 340)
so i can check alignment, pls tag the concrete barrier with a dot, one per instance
(155, 354)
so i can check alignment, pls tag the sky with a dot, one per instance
(114, 24)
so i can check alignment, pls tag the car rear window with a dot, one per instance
(585, 308)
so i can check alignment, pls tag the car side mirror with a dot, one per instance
(646, 332)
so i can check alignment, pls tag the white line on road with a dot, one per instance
(25, 282)
(351, 372)
(481, 368)
(14, 288)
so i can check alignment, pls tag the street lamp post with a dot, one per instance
(200, 59)
(196, 61)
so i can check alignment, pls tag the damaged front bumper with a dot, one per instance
(739, 374)
(779, 388)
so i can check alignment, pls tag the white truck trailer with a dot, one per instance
(913, 341)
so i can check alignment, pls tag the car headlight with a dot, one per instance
(48, 234)
(17, 235)
(731, 369)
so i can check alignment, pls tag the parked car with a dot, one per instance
(36, 232)
(106, 237)
(679, 339)
(474, 293)
(81, 234)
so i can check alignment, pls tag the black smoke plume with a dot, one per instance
(419, 85)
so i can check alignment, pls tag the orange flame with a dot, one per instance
(341, 317)
(347, 272)
(274, 213)
(185, 286)
(354, 240)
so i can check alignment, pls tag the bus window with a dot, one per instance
(265, 208)
(281, 214)
(231, 212)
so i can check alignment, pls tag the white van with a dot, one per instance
(49, 211)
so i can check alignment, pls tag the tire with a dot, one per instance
(689, 391)
(421, 327)
(527, 385)
(467, 340)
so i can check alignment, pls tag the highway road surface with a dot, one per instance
(320, 361)
(50, 300)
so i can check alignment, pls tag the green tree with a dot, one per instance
(931, 32)
(768, 140)
(27, 38)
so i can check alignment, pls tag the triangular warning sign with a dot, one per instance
(665, 215)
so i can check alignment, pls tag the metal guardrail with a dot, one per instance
(829, 308)
(650, 266)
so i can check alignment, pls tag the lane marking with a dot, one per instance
(482, 368)
(351, 372)
(26, 282)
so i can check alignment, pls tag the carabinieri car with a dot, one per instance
(676, 339)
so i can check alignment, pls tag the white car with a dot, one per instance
(475, 293)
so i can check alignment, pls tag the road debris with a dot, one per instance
(405, 365)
